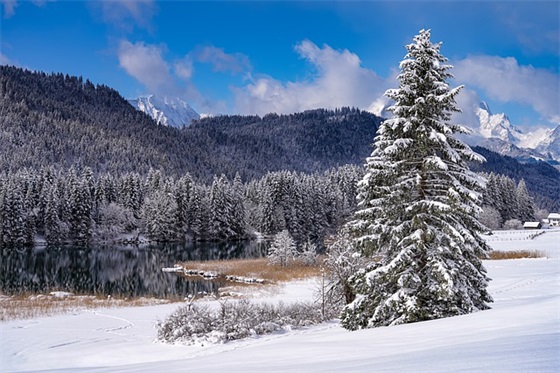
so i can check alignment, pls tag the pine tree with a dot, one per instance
(507, 198)
(221, 209)
(239, 220)
(182, 197)
(81, 228)
(12, 216)
(417, 206)
(195, 213)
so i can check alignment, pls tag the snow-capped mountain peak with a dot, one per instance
(496, 125)
(484, 106)
(166, 111)
(501, 136)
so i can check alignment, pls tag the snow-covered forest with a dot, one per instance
(57, 206)
(77, 206)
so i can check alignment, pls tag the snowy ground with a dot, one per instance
(520, 333)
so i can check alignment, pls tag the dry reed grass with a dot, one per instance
(516, 254)
(30, 306)
(257, 268)
(19, 307)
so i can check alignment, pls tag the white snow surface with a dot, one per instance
(521, 333)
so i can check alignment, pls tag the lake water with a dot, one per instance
(126, 271)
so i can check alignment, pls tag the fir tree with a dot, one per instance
(53, 234)
(160, 216)
(418, 206)
(524, 202)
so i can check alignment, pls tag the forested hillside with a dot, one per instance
(542, 179)
(62, 121)
(58, 120)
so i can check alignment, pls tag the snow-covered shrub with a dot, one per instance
(308, 254)
(198, 324)
(192, 320)
(342, 262)
(512, 224)
(283, 249)
(112, 221)
(490, 218)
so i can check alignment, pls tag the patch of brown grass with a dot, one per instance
(18, 307)
(516, 254)
(257, 268)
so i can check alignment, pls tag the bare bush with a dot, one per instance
(198, 324)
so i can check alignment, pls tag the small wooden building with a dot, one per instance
(532, 225)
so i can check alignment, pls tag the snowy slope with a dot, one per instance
(165, 110)
(521, 333)
(550, 143)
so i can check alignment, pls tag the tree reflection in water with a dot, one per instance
(126, 271)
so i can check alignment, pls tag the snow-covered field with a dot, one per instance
(520, 333)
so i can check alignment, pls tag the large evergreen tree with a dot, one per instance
(418, 206)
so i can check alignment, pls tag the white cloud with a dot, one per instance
(4, 60)
(221, 61)
(468, 101)
(128, 13)
(9, 7)
(505, 80)
(184, 68)
(339, 80)
(146, 64)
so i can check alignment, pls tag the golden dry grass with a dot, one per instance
(256, 268)
(516, 254)
(31, 306)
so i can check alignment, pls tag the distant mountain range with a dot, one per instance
(166, 111)
(498, 134)
(495, 131)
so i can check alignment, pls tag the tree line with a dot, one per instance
(75, 205)
(507, 204)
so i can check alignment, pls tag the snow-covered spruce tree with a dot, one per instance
(418, 204)
(524, 202)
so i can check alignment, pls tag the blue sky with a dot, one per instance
(287, 56)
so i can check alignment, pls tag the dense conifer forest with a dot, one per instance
(79, 163)
(59, 120)
(77, 206)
